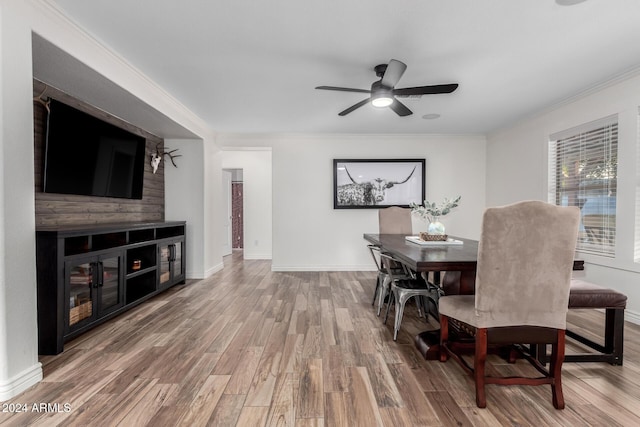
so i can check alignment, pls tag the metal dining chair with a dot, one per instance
(404, 288)
(391, 220)
(383, 279)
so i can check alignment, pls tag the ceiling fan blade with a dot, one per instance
(393, 73)
(354, 107)
(426, 90)
(400, 108)
(343, 89)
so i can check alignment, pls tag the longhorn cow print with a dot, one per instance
(368, 193)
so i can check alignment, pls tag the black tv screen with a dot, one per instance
(87, 156)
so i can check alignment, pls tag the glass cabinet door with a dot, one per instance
(165, 263)
(110, 295)
(177, 259)
(94, 288)
(81, 279)
(171, 263)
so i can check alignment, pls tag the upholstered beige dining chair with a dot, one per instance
(391, 220)
(395, 220)
(525, 260)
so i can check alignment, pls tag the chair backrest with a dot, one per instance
(525, 260)
(375, 250)
(395, 268)
(395, 220)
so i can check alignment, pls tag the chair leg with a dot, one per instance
(382, 292)
(555, 369)
(479, 364)
(613, 335)
(419, 305)
(425, 307)
(444, 336)
(375, 292)
(391, 301)
(400, 302)
(431, 308)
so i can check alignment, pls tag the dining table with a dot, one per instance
(457, 256)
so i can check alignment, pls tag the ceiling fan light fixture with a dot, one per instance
(381, 102)
(381, 98)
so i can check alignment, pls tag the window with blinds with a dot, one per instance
(583, 172)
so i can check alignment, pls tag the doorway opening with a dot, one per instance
(234, 224)
(237, 213)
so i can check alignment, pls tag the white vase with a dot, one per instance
(436, 227)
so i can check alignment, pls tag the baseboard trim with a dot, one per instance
(247, 255)
(366, 267)
(203, 274)
(213, 270)
(629, 316)
(19, 383)
(632, 317)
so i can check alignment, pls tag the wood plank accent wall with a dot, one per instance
(61, 209)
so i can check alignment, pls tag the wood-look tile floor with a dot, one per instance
(251, 347)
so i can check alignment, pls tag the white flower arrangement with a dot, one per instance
(431, 212)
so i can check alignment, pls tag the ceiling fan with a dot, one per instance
(383, 91)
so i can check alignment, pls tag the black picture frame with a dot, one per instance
(378, 183)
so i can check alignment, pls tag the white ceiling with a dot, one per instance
(252, 66)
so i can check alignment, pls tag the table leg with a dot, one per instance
(428, 344)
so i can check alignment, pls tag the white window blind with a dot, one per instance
(583, 171)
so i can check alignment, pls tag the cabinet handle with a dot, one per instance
(95, 278)
(172, 252)
(100, 274)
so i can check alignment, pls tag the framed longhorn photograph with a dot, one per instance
(377, 183)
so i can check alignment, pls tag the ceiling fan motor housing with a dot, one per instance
(380, 69)
(378, 87)
(381, 96)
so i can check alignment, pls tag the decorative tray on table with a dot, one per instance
(418, 241)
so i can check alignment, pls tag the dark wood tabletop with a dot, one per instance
(422, 258)
(429, 257)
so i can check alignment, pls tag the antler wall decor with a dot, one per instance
(157, 157)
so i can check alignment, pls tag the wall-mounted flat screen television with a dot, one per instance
(88, 156)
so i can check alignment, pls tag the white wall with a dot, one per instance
(308, 234)
(19, 366)
(257, 196)
(214, 212)
(517, 166)
(190, 189)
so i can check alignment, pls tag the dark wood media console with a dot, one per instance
(88, 274)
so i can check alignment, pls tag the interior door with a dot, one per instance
(226, 223)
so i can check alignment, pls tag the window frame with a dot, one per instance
(587, 187)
